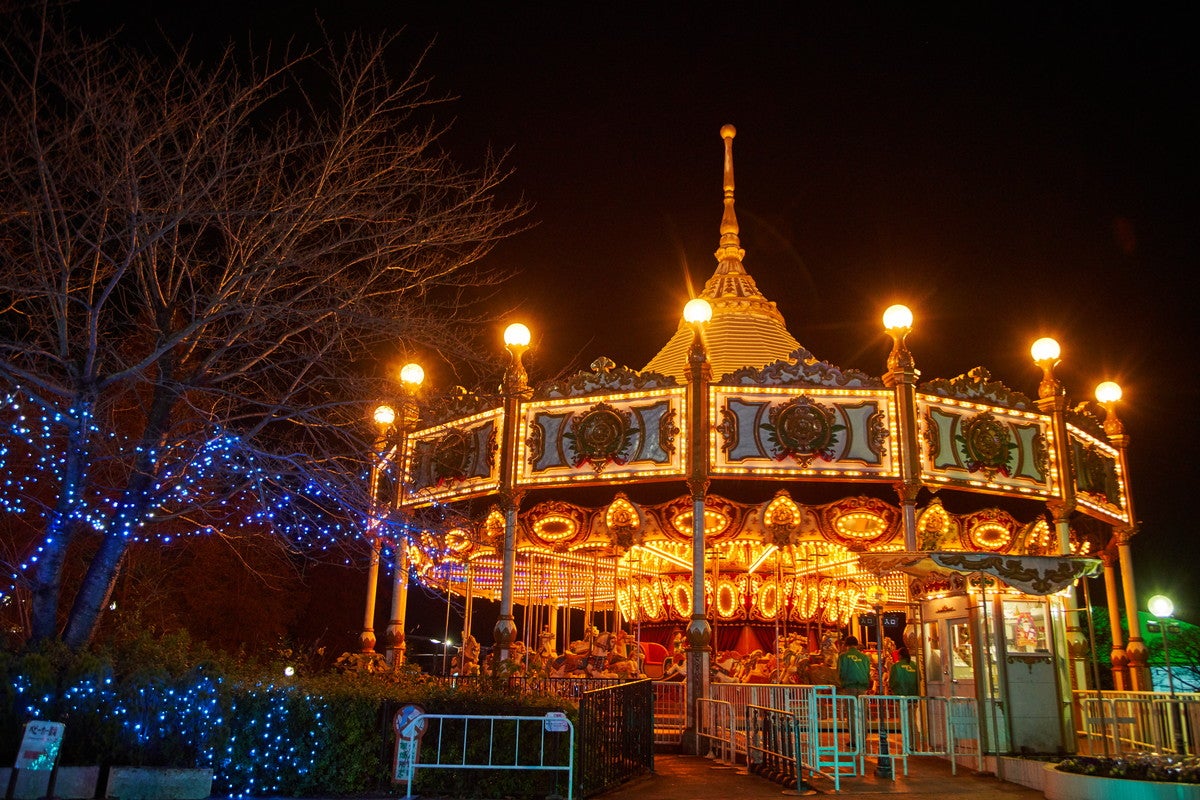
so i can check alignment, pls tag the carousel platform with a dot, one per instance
(697, 778)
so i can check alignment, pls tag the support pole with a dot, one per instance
(516, 389)
(1120, 660)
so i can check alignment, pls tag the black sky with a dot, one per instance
(1009, 173)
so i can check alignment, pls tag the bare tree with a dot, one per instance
(197, 264)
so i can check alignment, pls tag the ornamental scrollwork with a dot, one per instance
(667, 431)
(803, 369)
(536, 442)
(728, 430)
(877, 432)
(977, 386)
(604, 378)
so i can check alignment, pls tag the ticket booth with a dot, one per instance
(1007, 651)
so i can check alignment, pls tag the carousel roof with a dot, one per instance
(747, 329)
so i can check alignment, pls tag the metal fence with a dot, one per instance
(670, 712)
(1115, 722)
(616, 734)
(478, 742)
(804, 731)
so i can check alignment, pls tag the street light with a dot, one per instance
(1162, 608)
(877, 596)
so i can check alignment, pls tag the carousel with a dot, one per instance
(733, 508)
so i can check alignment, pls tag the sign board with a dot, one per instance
(39, 746)
(409, 726)
(556, 722)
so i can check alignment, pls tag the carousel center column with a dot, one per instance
(516, 389)
(699, 632)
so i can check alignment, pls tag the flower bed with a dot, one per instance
(1136, 767)
(1133, 777)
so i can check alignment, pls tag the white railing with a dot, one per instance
(469, 751)
(834, 734)
(1118, 722)
(829, 742)
(716, 726)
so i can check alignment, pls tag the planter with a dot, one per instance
(71, 783)
(158, 783)
(1070, 786)
(1024, 771)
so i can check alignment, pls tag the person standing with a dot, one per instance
(902, 679)
(854, 669)
(854, 675)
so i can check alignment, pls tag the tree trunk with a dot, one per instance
(97, 588)
(101, 577)
(47, 582)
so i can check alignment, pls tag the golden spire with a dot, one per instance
(730, 283)
(746, 329)
(731, 246)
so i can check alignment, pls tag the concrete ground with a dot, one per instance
(680, 777)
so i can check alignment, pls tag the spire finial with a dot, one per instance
(730, 246)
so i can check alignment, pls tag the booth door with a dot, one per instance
(949, 670)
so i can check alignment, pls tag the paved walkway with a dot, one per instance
(697, 778)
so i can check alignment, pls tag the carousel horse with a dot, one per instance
(727, 668)
(831, 648)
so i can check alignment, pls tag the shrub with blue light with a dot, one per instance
(324, 735)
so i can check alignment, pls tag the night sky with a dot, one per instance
(1009, 175)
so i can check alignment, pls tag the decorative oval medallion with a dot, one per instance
(600, 435)
(803, 430)
(451, 455)
(987, 443)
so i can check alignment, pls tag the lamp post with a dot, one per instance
(515, 389)
(406, 418)
(877, 596)
(384, 416)
(697, 313)
(902, 377)
(1162, 608)
(1052, 400)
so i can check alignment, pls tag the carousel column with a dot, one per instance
(1052, 400)
(901, 377)
(1135, 649)
(1120, 661)
(699, 632)
(384, 417)
(411, 376)
(1108, 394)
(516, 388)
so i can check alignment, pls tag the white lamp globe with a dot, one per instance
(697, 311)
(897, 318)
(1160, 606)
(517, 335)
(412, 374)
(1108, 392)
(1045, 349)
